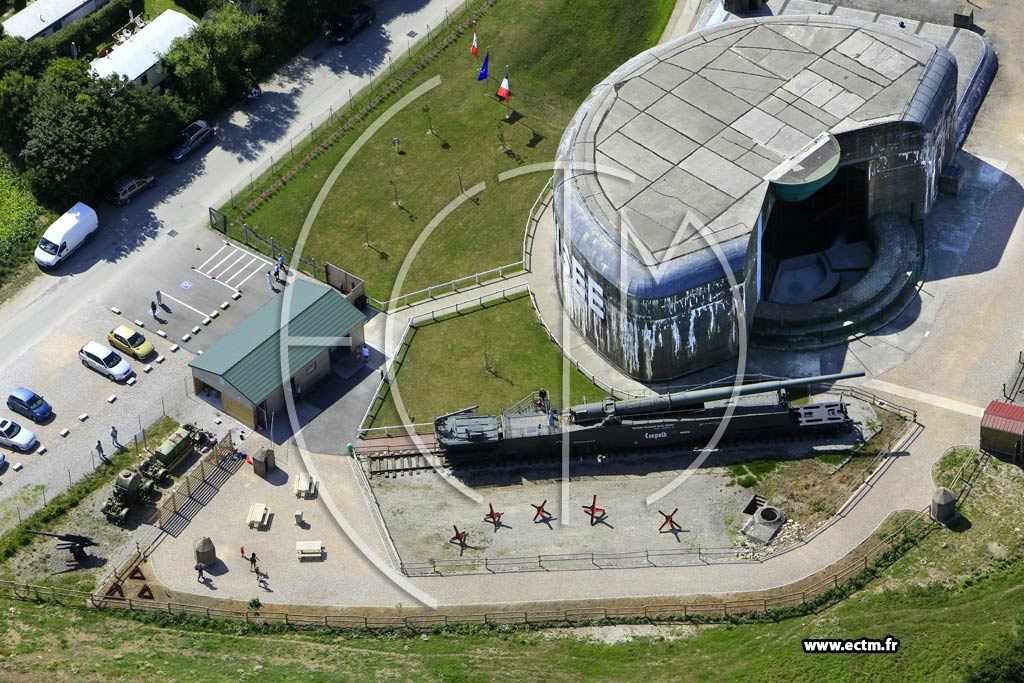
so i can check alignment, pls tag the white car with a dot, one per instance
(13, 435)
(105, 361)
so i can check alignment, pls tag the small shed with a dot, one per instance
(138, 58)
(1002, 429)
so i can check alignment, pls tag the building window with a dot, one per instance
(311, 368)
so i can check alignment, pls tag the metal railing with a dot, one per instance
(202, 478)
(448, 288)
(533, 219)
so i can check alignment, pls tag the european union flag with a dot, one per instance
(483, 69)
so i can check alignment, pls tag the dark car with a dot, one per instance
(190, 139)
(345, 29)
(30, 404)
(127, 186)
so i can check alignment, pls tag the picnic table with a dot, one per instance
(309, 549)
(258, 514)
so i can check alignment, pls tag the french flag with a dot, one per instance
(473, 49)
(503, 89)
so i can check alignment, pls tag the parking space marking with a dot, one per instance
(179, 301)
(258, 269)
(212, 257)
(243, 269)
(224, 273)
(215, 267)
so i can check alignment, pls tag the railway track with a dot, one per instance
(395, 463)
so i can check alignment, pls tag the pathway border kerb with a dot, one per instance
(363, 547)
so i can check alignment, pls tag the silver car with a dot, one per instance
(13, 435)
(105, 361)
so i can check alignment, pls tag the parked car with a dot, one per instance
(190, 139)
(105, 361)
(345, 29)
(126, 187)
(29, 404)
(66, 234)
(13, 435)
(131, 342)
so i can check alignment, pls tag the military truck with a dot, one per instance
(129, 489)
(171, 452)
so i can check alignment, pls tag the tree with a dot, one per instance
(21, 56)
(17, 92)
(210, 65)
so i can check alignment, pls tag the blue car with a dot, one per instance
(30, 404)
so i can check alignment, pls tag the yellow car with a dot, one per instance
(131, 342)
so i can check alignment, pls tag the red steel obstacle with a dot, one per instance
(459, 538)
(595, 512)
(672, 524)
(541, 512)
(493, 517)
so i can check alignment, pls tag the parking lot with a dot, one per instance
(192, 297)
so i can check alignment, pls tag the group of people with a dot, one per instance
(262, 578)
(275, 275)
(158, 303)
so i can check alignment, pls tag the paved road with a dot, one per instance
(150, 245)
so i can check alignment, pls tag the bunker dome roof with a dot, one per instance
(701, 125)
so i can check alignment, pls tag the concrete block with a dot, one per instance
(139, 323)
(17, 467)
(111, 398)
(224, 306)
(147, 368)
(216, 420)
(175, 348)
(41, 450)
(195, 330)
(115, 310)
(200, 352)
(964, 17)
(160, 359)
(236, 296)
(83, 417)
(64, 432)
(162, 333)
(131, 381)
(186, 337)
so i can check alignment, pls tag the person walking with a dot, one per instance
(263, 580)
(270, 282)
(277, 272)
(199, 571)
(159, 299)
(113, 438)
(280, 264)
(99, 448)
(252, 561)
(152, 309)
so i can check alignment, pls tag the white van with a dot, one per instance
(65, 235)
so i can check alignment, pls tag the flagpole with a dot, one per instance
(508, 98)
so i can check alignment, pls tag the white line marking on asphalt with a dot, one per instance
(227, 269)
(249, 276)
(924, 397)
(179, 301)
(240, 271)
(212, 257)
(215, 267)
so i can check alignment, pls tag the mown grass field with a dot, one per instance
(473, 359)
(556, 50)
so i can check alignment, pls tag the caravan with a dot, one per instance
(65, 235)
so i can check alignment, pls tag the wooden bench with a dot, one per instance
(305, 486)
(309, 549)
(258, 514)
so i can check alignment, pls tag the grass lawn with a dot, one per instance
(491, 357)
(155, 8)
(557, 50)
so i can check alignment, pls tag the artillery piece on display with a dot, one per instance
(74, 543)
(129, 489)
(172, 451)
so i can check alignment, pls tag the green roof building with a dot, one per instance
(250, 369)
